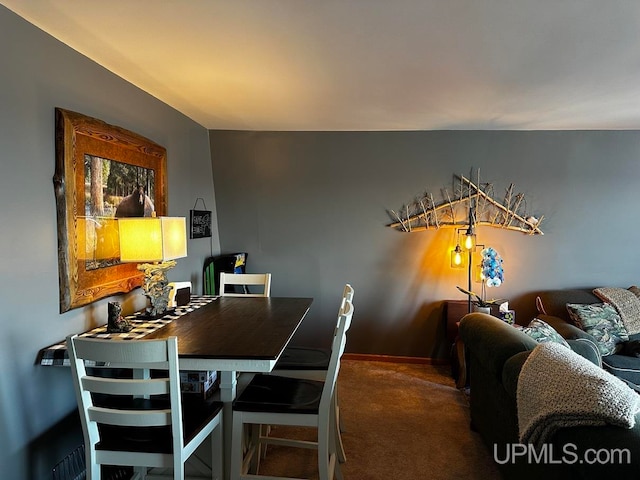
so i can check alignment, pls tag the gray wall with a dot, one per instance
(312, 210)
(39, 74)
(309, 207)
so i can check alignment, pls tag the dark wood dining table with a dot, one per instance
(235, 335)
(231, 333)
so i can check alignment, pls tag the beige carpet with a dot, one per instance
(403, 422)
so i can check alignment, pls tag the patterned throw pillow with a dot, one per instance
(542, 332)
(602, 322)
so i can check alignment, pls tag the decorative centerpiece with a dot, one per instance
(492, 271)
(492, 275)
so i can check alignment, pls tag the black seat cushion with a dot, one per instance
(623, 366)
(269, 393)
(304, 358)
(196, 413)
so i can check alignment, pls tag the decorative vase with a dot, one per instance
(479, 309)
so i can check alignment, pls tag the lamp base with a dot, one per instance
(147, 315)
(156, 287)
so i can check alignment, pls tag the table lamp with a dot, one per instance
(155, 243)
(97, 239)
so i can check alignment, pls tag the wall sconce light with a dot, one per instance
(155, 243)
(469, 239)
(457, 257)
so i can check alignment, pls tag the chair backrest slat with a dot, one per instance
(131, 352)
(124, 386)
(130, 418)
(245, 279)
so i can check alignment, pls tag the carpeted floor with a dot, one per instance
(403, 422)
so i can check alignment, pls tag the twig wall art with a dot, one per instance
(452, 209)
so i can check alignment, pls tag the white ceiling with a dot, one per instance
(367, 64)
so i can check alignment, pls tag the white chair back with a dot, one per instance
(120, 410)
(259, 280)
(337, 349)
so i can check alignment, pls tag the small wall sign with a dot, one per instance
(200, 222)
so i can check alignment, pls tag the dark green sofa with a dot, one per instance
(496, 352)
(552, 307)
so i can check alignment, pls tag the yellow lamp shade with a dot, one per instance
(469, 241)
(152, 239)
(457, 258)
(97, 238)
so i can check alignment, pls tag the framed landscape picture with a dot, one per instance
(102, 172)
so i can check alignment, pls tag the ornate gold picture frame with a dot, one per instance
(102, 172)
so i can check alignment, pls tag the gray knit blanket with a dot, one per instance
(558, 388)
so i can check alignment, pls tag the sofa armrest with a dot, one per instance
(493, 341)
(580, 341)
(511, 372)
(587, 348)
(513, 365)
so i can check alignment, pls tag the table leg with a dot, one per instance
(228, 385)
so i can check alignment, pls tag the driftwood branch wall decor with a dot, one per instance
(452, 210)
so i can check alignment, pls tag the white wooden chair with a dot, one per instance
(261, 280)
(275, 400)
(241, 281)
(312, 363)
(140, 421)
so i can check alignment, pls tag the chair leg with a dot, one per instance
(265, 431)
(236, 446)
(337, 474)
(254, 463)
(217, 451)
(340, 422)
(336, 419)
(94, 471)
(326, 453)
(178, 472)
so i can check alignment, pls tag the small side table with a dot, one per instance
(454, 311)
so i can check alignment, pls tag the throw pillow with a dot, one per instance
(602, 322)
(625, 302)
(542, 332)
(636, 291)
